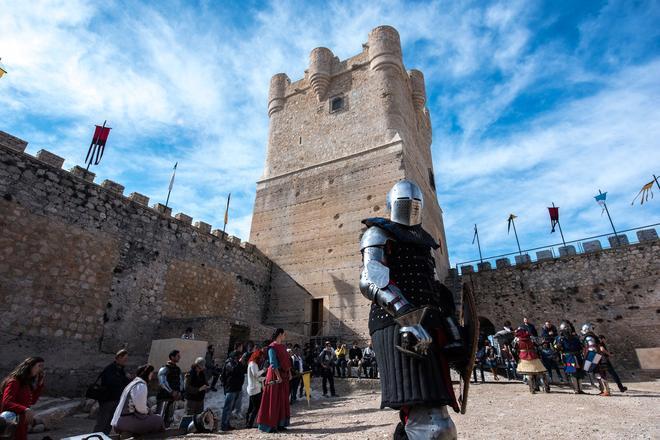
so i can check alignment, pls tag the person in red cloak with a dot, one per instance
(20, 390)
(275, 411)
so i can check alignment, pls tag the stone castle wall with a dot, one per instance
(327, 169)
(85, 271)
(616, 289)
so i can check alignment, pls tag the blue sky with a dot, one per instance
(531, 102)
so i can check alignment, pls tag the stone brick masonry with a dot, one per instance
(617, 289)
(85, 271)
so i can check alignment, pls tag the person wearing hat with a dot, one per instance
(196, 387)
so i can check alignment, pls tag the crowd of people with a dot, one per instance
(554, 356)
(273, 371)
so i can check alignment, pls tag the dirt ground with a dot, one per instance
(497, 410)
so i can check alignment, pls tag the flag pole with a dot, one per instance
(611, 222)
(169, 190)
(476, 233)
(560, 231)
(516, 234)
(226, 215)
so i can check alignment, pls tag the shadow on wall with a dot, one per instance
(352, 307)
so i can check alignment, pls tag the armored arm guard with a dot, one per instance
(375, 279)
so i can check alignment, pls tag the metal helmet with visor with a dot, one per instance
(405, 202)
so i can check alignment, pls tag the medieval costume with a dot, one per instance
(569, 346)
(275, 410)
(594, 360)
(411, 321)
(530, 363)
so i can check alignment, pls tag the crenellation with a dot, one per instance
(184, 218)
(119, 274)
(12, 142)
(82, 173)
(203, 227)
(139, 198)
(162, 209)
(113, 186)
(50, 158)
(616, 289)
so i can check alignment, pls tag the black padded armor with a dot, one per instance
(412, 269)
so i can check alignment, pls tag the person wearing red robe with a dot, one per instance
(20, 390)
(275, 410)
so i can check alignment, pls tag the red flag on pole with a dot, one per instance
(97, 147)
(554, 217)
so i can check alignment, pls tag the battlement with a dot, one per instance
(343, 107)
(644, 236)
(49, 162)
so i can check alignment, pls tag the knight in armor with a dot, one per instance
(569, 346)
(530, 362)
(412, 318)
(595, 361)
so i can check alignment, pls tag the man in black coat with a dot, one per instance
(114, 379)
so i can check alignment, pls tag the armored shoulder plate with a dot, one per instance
(374, 236)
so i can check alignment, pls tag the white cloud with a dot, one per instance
(188, 85)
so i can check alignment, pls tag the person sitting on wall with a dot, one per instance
(188, 334)
(170, 379)
(132, 414)
(342, 362)
(113, 379)
(354, 358)
(368, 361)
(20, 390)
(196, 387)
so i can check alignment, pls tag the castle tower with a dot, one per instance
(339, 139)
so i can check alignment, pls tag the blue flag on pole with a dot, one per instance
(600, 199)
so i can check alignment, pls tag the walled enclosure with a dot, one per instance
(339, 139)
(616, 289)
(85, 271)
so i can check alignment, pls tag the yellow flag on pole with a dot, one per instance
(307, 382)
(644, 192)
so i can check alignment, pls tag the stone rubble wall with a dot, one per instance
(85, 271)
(618, 290)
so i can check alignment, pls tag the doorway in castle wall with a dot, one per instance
(486, 327)
(316, 326)
(237, 333)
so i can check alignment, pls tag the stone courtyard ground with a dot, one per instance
(496, 411)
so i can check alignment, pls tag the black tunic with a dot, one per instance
(406, 380)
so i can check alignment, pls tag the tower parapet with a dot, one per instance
(277, 92)
(320, 69)
(418, 89)
(384, 47)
